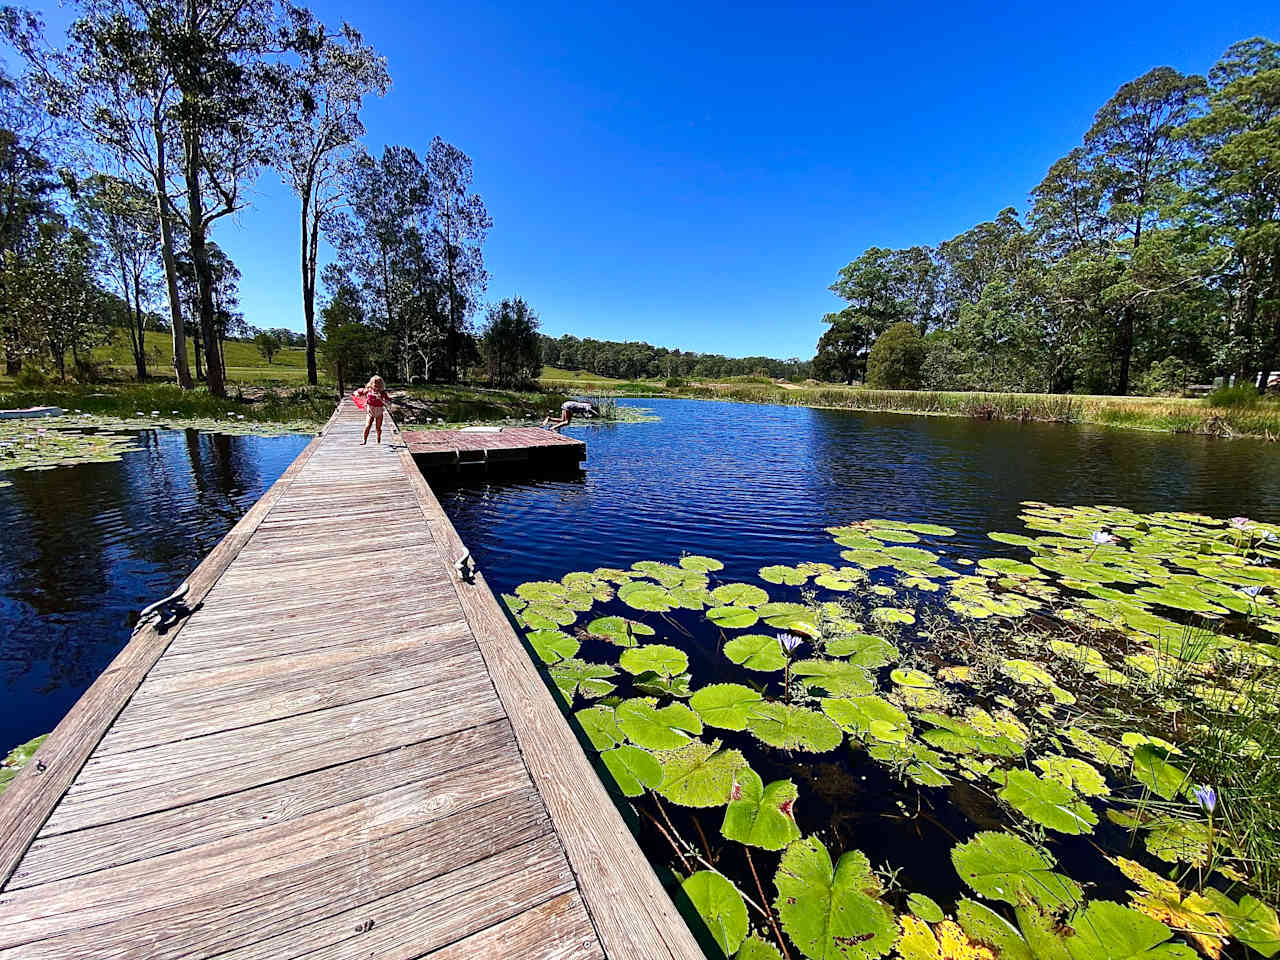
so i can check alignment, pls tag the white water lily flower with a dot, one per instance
(1241, 523)
(1100, 537)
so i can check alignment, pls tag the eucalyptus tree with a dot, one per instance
(457, 233)
(1140, 158)
(178, 92)
(379, 246)
(28, 192)
(121, 217)
(509, 344)
(322, 91)
(1237, 197)
(61, 302)
(114, 81)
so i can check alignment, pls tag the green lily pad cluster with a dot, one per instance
(821, 661)
(49, 442)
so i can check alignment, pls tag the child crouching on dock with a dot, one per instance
(372, 398)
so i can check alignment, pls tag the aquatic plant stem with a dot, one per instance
(760, 889)
(670, 839)
(706, 847)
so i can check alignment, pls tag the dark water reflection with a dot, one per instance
(758, 484)
(83, 548)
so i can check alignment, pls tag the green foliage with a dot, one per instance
(509, 344)
(721, 907)
(832, 912)
(895, 358)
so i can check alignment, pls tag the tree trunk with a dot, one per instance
(140, 325)
(1126, 349)
(180, 368)
(197, 339)
(204, 277)
(310, 238)
(196, 226)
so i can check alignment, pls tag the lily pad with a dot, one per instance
(789, 727)
(780, 574)
(647, 726)
(662, 659)
(869, 716)
(831, 912)
(1003, 867)
(578, 677)
(1107, 931)
(619, 630)
(725, 705)
(758, 815)
(699, 774)
(837, 678)
(721, 907)
(733, 618)
(700, 564)
(739, 595)
(1048, 803)
(755, 651)
(632, 769)
(552, 646)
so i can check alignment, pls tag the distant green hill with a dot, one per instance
(244, 362)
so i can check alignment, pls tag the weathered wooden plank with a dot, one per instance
(60, 856)
(437, 625)
(299, 689)
(62, 906)
(28, 800)
(631, 912)
(245, 912)
(556, 930)
(427, 916)
(130, 784)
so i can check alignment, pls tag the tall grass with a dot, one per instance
(128, 400)
(1172, 415)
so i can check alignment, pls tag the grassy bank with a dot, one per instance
(1162, 414)
(132, 401)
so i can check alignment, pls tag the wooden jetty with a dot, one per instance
(344, 751)
(491, 446)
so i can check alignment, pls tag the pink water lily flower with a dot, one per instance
(1241, 523)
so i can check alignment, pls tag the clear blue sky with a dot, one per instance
(694, 174)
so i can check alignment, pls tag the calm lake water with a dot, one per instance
(753, 485)
(83, 548)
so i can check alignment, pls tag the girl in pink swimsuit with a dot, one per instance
(372, 397)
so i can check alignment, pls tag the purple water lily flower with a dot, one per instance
(1206, 797)
(1241, 523)
(789, 643)
(1251, 592)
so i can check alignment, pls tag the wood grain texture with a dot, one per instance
(32, 795)
(632, 914)
(319, 761)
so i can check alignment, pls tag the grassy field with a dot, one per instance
(1164, 414)
(244, 363)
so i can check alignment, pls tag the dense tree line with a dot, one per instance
(632, 360)
(1149, 255)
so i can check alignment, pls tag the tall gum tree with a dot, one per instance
(1140, 157)
(322, 88)
(115, 81)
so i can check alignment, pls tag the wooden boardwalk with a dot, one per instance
(342, 752)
